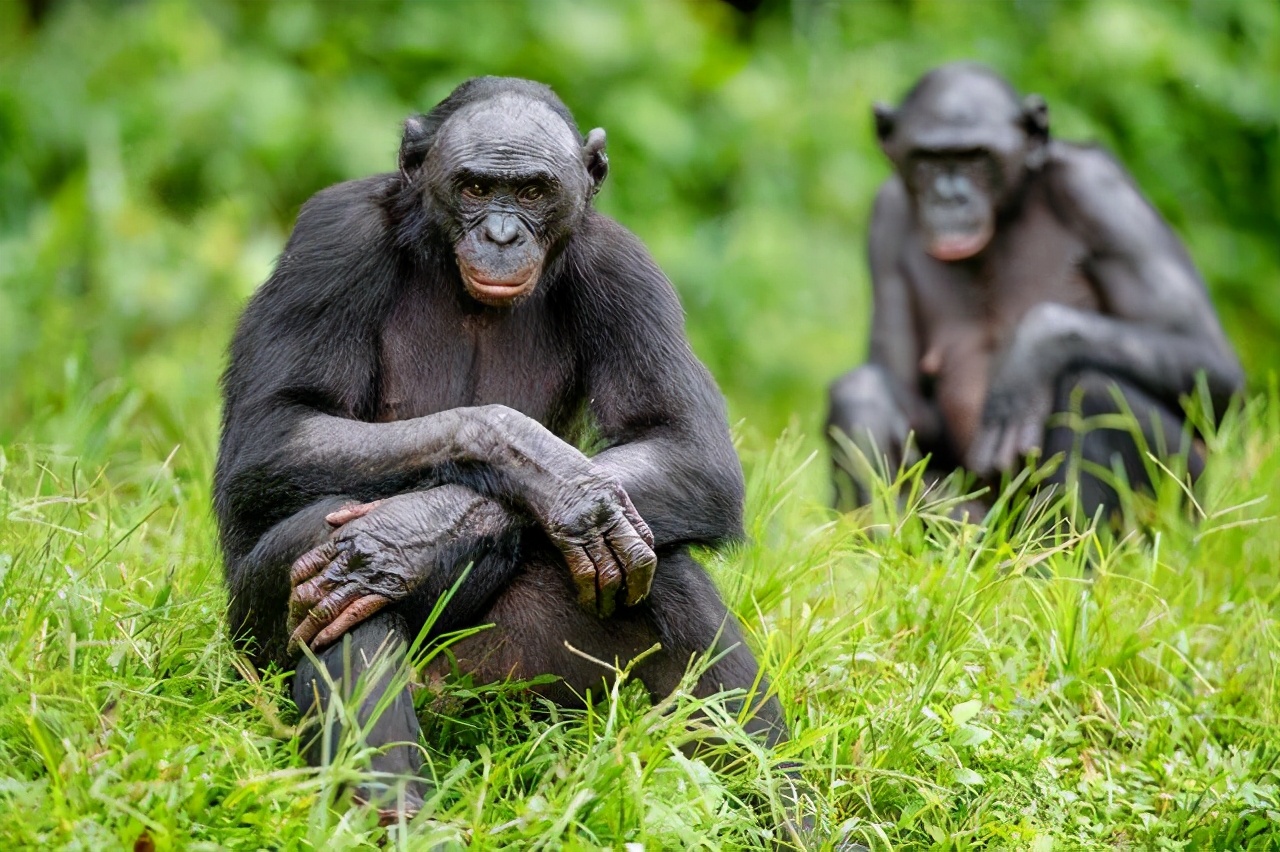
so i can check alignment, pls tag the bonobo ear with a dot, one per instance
(1035, 121)
(414, 144)
(1035, 116)
(594, 158)
(886, 119)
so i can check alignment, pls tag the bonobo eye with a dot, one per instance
(530, 192)
(475, 189)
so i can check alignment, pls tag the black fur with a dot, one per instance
(365, 329)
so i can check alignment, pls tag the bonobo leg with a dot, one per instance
(862, 406)
(1094, 450)
(537, 614)
(867, 406)
(489, 547)
(397, 764)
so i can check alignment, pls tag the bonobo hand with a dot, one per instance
(1019, 403)
(605, 542)
(379, 553)
(582, 508)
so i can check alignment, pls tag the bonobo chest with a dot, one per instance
(966, 312)
(437, 354)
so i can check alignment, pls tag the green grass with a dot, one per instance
(949, 686)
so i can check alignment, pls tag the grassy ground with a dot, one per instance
(949, 686)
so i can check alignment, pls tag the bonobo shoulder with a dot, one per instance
(339, 255)
(1085, 183)
(892, 205)
(616, 259)
(345, 214)
(616, 284)
(890, 220)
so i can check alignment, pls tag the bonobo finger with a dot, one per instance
(638, 560)
(357, 612)
(313, 591)
(323, 614)
(347, 514)
(1007, 450)
(310, 563)
(583, 572)
(982, 450)
(608, 576)
(1030, 435)
(633, 517)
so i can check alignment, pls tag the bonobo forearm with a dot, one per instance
(1060, 338)
(413, 546)
(687, 491)
(497, 450)
(500, 453)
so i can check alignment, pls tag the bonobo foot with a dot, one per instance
(364, 665)
(393, 804)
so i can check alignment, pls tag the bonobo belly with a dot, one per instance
(958, 361)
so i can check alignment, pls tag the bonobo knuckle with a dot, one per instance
(1045, 316)
(500, 417)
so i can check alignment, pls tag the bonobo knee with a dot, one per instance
(384, 635)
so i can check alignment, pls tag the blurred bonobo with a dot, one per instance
(1017, 277)
(403, 399)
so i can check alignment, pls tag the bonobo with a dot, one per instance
(1017, 277)
(403, 400)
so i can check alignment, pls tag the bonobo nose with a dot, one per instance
(501, 229)
(947, 189)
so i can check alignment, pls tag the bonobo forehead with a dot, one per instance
(509, 135)
(960, 107)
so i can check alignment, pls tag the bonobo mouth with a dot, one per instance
(953, 246)
(499, 291)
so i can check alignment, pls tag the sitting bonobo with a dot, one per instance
(1018, 279)
(403, 399)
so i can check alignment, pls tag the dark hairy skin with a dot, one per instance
(1005, 265)
(403, 399)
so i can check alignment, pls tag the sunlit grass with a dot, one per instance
(949, 685)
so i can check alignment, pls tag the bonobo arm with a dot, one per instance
(894, 342)
(656, 405)
(384, 552)
(1159, 329)
(357, 558)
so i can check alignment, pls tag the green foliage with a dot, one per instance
(949, 686)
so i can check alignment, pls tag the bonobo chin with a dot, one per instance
(1017, 277)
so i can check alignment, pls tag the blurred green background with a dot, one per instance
(153, 157)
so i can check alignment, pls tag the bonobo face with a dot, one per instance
(963, 145)
(955, 195)
(515, 179)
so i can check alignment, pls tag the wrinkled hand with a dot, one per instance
(606, 544)
(1019, 403)
(378, 553)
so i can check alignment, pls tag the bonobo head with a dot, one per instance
(506, 177)
(963, 143)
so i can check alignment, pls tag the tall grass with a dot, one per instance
(949, 685)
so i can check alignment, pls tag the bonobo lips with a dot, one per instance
(499, 291)
(950, 247)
